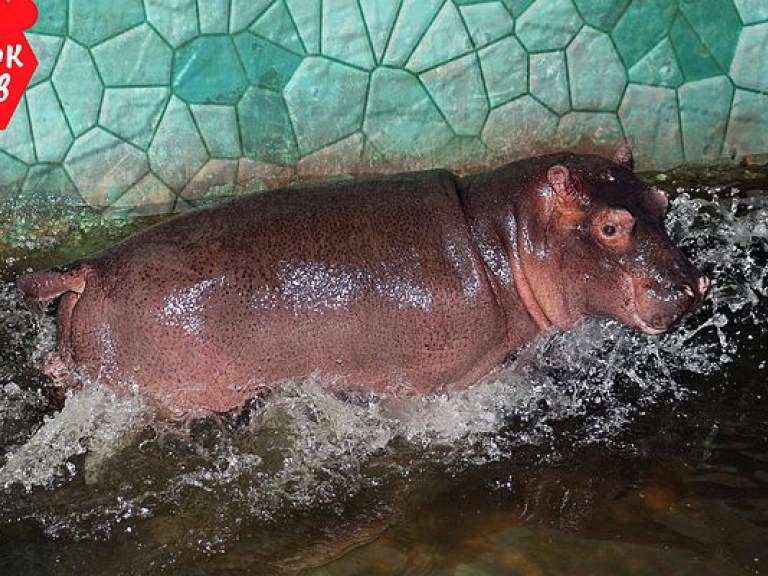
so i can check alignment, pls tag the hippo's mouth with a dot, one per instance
(653, 326)
(646, 327)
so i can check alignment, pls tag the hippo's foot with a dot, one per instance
(61, 377)
(56, 396)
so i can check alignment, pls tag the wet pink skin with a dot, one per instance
(412, 284)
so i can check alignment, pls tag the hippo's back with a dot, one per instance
(374, 284)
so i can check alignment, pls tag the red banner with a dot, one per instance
(17, 61)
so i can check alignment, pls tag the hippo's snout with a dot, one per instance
(655, 310)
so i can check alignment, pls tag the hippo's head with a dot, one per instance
(597, 246)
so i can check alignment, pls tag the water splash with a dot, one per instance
(94, 421)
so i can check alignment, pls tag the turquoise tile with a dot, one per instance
(79, 87)
(306, 15)
(752, 11)
(46, 49)
(750, 63)
(517, 7)
(655, 137)
(380, 17)
(747, 133)
(138, 57)
(216, 179)
(48, 185)
(265, 127)
(505, 69)
(601, 14)
(548, 25)
(103, 167)
(16, 139)
(373, 161)
(322, 89)
(182, 206)
(276, 24)
(520, 128)
(93, 21)
(642, 26)
(444, 40)
(344, 36)
(705, 106)
(175, 20)
(458, 90)
(207, 70)
(214, 16)
(12, 174)
(487, 22)
(52, 17)
(658, 67)
(590, 133)
(177, 152)
(148, 197)
(596, 72)
(549, 80)
(218, 127)
(693, 57)
(266, 64)
(414, 19)
(342, 157)
(401, 120)
(49, 126)
(243, 13)
(464, 152)
(253, 175)
(717, 25)
(134, 113)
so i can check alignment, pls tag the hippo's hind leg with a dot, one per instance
(67, 284)
(59, 364)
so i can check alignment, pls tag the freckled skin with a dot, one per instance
(411, 284)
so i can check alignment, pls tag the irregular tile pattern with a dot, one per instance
(148, 106)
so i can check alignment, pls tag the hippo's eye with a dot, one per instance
(613, 228)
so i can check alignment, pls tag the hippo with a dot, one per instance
(418, 283)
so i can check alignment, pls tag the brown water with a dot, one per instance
(595, 452)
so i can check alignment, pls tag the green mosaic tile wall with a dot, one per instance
(152, 105)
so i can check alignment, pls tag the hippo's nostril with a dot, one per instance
(703, 285)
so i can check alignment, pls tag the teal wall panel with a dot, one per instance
(152, 105)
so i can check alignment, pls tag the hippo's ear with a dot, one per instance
(623, 155)
(566, 185)
(568, 205)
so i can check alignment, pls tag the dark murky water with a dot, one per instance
(595, 452)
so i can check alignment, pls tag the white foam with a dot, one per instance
(93, 420)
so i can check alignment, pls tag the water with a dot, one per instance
(598, 451)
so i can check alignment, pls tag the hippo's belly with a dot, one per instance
(203, 315)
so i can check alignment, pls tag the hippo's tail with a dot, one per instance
(50, 284)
